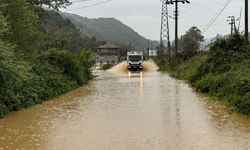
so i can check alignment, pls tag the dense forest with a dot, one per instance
(112, 30)
(42, 54)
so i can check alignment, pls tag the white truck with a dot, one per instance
(135, 60)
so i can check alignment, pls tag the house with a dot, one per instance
(108, 54)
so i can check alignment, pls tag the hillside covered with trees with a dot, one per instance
(42, 54)
(111, 30)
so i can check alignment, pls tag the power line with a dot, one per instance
(216, 16)
(95, 4)
(239, 24)
(77, 1)
(197, 8)
(191, 6)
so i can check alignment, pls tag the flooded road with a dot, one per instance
(120, 112)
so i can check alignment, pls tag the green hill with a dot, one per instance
(109, 29)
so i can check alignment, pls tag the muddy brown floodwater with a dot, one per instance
(115, 112)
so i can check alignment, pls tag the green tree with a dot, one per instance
(55, 4)
(3, 25)
(14, 76)
(23, 26)
(40, 55)
(190, 42)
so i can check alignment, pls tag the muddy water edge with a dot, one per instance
(119, 112)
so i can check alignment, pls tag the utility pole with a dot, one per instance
(176, 20)
(164, 37)
(176, 29)
(232, 22)
(246, 19)
(148, 48)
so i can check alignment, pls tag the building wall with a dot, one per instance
(108, 60)
(108, 56)
(108, 52)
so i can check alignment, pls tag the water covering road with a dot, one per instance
(115, 112)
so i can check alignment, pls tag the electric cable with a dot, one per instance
(216, 16)
(78, 1)
(87, 6)
(239, 24)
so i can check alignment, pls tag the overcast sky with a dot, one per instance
(144, 16)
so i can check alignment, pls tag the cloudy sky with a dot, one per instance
(144, 15)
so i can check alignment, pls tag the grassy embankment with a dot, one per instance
(223, 72)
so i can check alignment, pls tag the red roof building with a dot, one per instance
(108, 53)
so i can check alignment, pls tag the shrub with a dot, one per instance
(53, 73)
(106, 66)
(14, 74)
(226, 73)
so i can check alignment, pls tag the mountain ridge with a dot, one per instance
(111, 30)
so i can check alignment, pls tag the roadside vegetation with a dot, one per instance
(106, 66)
(42, 55)
(222, 72)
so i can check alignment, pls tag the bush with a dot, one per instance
(14, 74)
(53, 73)
(163, 64)
(61, 71)
(189, 67)
(226, 73)
(106, 67)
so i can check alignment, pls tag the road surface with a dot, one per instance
(116, 112)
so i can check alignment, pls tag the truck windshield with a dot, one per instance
(135, 58)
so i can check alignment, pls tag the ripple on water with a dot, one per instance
(152, 112)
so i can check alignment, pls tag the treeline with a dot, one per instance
(188, 46)
(112, 30)
(222, 72)
(42, 55)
